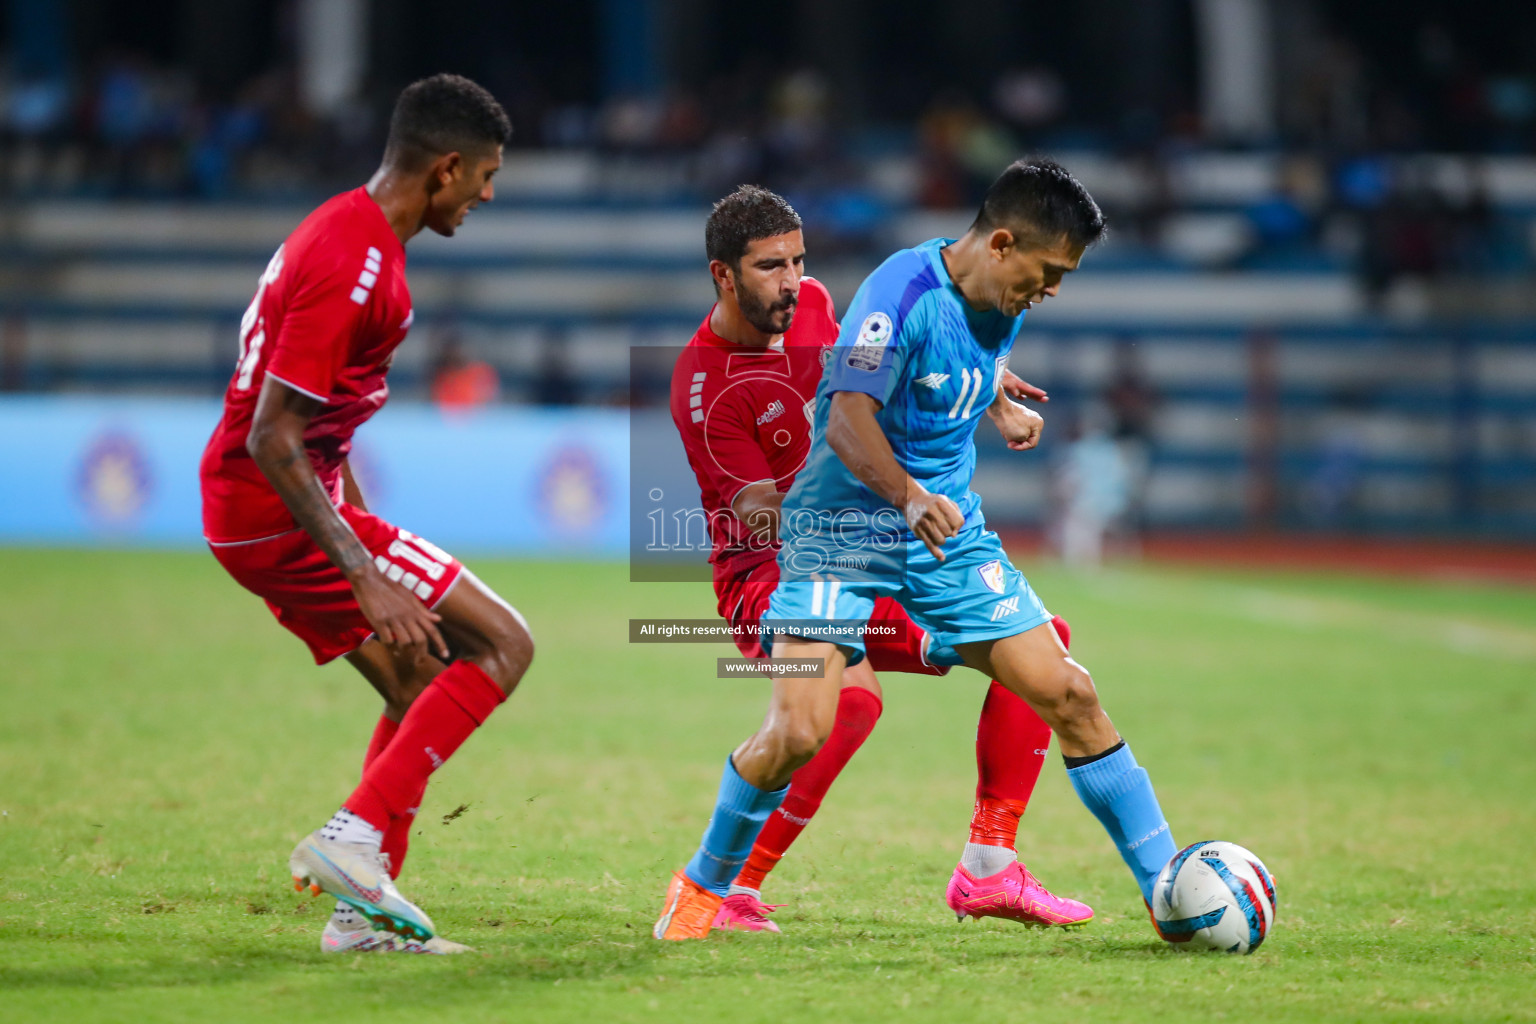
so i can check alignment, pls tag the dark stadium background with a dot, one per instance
(1311, 337)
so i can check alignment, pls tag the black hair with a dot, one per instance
(444, 114)
(743, 217)
(1040, 199)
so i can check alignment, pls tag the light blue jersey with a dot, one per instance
(910, 340)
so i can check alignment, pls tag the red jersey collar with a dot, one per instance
(361, 196)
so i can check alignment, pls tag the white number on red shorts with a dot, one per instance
(424, 559)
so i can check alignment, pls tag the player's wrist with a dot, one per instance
(915, 502)
(359, 571)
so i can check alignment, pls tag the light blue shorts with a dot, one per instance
(974, 594)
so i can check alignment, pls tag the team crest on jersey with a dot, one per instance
(869, 347)
(826, 356)
(992, 575)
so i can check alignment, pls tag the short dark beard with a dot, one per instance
(761, 315)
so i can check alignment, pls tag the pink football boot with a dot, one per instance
(1015, 894)
(743, 912)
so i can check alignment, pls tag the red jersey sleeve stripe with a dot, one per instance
(303, 391)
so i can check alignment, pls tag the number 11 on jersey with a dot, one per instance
(253, 332)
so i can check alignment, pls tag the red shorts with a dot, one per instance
(311, 597)
(744, 601)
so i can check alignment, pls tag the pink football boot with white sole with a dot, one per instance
(1013, 894)
(743, 912)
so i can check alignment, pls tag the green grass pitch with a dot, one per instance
(163, 743)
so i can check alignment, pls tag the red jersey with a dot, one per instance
(329, 312)
(745, 417)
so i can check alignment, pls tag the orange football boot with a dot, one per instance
(689, 911)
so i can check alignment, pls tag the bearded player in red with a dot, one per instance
(285, 519)
(741, 398)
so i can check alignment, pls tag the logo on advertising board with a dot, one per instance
(114, 480)
(573, 492)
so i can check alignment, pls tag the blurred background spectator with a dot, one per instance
(1092, 488)
(1129, 403)
(461, 384)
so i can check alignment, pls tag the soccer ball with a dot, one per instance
(1214, 895)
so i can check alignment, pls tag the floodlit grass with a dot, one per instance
(163, 743)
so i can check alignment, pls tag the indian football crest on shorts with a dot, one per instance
(992, 575)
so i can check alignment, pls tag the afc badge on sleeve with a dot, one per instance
(868, 348)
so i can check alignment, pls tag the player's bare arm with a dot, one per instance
(349, 489)
(855, 435)
(276, 444)
(1019, 424)
(758, 506)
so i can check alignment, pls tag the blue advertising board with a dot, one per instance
(91, 471)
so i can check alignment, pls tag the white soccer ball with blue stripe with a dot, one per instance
(1214, 895)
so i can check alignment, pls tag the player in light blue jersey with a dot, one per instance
(932, 363)
(884, 507)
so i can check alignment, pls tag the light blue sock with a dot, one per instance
(1119, 793)
(740, 810)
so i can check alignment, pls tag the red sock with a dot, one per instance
(397, 837)
(858, 710)
(451, 707)
(1011, 741)
(382, 734)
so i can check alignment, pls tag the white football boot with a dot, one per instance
(375, 940)
(358, 875)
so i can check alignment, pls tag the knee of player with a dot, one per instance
(509, 651)
(1071, 694)
(802, 738)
